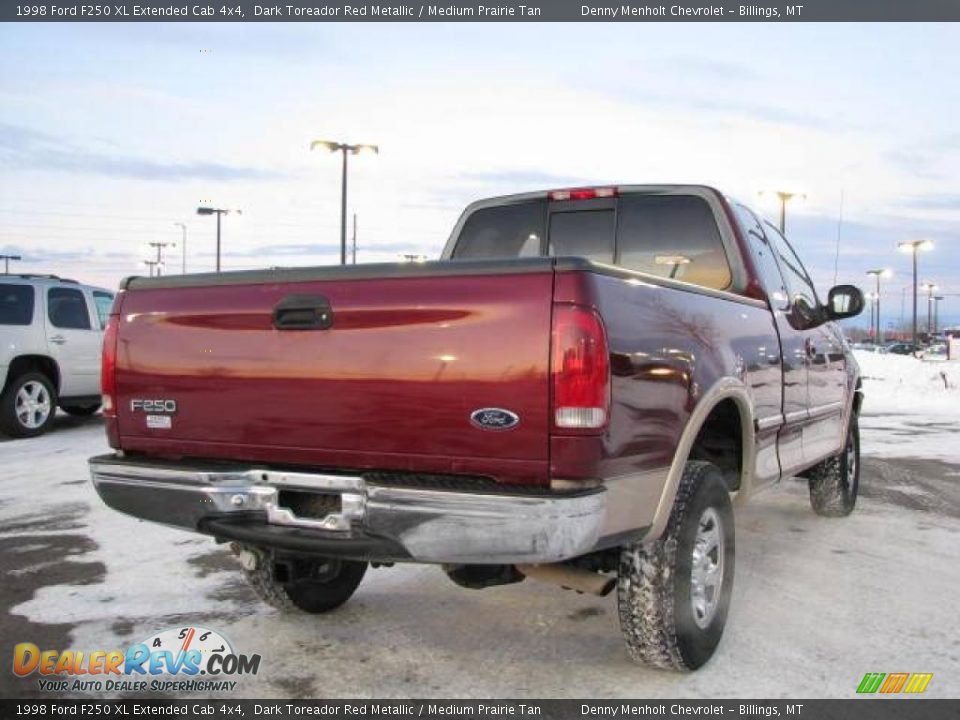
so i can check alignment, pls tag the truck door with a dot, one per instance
(787, 358)
(822, 423)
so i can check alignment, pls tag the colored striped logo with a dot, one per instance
(890, 683)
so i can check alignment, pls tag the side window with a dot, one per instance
(802, 294)
(103, 301)
(67, 308)
(673, 236)
(505, 231)
(16, 304)
(584, 233)
(766, 263)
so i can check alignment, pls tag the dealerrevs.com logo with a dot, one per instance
(184, 659)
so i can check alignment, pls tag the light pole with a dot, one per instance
(872, 297)
(153, 264)
(783, 196)
(929, 287)
(203, 210)
(936, 311)
(6, 262)
(913, 247)
(344, 149)
(879, 273)
(160, 246)
(183, 244)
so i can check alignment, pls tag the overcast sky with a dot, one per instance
(111, 133)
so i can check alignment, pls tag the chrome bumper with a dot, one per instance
(436, 526)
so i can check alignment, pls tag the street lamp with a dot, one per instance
(183, 244)
(936, 311)
(872, 297)
(203, 210)
(929, 287)
(783, 196)
(153, 264)
(160, 246)
(879, 273)
(345, 150)
(913, 247)
(6, 262)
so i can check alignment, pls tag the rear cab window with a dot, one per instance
(16, 304)
(668, 235)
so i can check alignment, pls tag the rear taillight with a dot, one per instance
(580, 369)
(108, 367)
(582, 193)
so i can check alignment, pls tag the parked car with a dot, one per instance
(52, 331)
(576, 392)
(903, 348)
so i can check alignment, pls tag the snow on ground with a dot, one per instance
(817, 602)
(911, 407)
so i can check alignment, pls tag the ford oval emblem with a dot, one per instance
(494, 419)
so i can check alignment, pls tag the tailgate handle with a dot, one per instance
(303, 312)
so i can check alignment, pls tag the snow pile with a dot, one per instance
(904, 384)
(911, 408)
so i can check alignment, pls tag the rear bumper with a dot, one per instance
(368, 521)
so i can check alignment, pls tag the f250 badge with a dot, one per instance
(168, 407)
(494, 419)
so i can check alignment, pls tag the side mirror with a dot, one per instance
(844, 301)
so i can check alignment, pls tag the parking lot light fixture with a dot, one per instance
(914, 247)
(783, 197)
(930, 288)
(206, 210)
(344, 149)
(877, 274)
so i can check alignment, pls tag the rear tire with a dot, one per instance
(80, 410)
(673, 595)
(835, 482)
(28, 405)
(331, 583)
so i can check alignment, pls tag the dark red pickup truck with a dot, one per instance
(575, 392)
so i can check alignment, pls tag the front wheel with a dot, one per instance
(317, 585)
(673, 595)
(835, 482)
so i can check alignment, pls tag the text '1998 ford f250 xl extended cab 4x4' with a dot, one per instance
(576, 392)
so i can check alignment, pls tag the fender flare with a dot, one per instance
(723, 389)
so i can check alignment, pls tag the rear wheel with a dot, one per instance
(673, 595)
(835, 482)
(80, 410)
(28, 405)
(313, 585)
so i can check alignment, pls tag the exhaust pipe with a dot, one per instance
(571, 578)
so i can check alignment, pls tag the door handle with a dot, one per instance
(303, 312)
(58, 339)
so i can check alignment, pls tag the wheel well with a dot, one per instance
(720, 441)
(34, 363)
(857, 397)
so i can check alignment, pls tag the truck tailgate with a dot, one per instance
(391, 382)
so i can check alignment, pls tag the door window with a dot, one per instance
(16, 304)
(766, 262)
(67, 309)
(802, 294)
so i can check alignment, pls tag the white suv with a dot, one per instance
(51, 331)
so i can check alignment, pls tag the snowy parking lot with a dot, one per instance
(817, 602)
